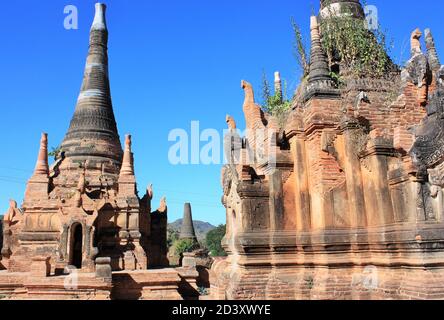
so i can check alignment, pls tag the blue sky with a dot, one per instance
(171, 62)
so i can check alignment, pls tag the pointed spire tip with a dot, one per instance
(99, 22)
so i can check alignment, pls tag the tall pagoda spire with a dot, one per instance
(320, 83)
(319, 69)
(187, 230)
(92, 134)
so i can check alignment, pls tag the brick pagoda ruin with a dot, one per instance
(82, 231)
(351, 205)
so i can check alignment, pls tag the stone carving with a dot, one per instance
(415, 44)
(436, 175)
(431, 51)
(428, 149)
(418, 70)
(103, 268)
(253, 112)
(13, 214)
(81, 189)
(440, 76)
(163, 206)
(231, 123)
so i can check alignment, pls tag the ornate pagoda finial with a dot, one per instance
(99, 22)
(42, 167)
(127, 162)
(319, 69)
(415, 44)
(320, 83)
(230, 121)
(278, 85)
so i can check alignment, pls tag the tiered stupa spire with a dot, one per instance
(320, 82)
(93, 134)
(319, 69)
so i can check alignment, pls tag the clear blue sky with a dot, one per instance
(171, 62)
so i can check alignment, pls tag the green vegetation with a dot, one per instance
(185, 245)
(172, 237)
(214, 239)
(360, 51)
(55, 152)
(276, 105)
(299, 49)
(203, 291)
(348, 41)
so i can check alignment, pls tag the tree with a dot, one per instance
(277, 105)
(185, 245)
(300, 51)
(214, 241)
(173, 236)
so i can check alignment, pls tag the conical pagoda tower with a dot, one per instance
(187, 231)
(86, 206)
(92, 134)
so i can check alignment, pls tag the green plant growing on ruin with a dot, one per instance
(203, 291)
(277, 105)
(172, 237)
(309, 281)
(184, 246)
(360, 51)
(299, 49)
(55, 152)
(213, 241)
(336, 77)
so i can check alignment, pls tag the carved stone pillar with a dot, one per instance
(379, 206)
(352, 167)
(276, 201)
(302, 196)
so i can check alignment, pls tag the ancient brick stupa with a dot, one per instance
(350, 205)
(187, 230)
(84, 212)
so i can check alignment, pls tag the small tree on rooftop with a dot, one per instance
(360, 51)
(275, 104)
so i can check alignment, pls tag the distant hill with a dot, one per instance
(201, 227)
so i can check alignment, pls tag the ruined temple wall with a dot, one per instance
(158, 250)
(389, 110)
(342, 283)
(339, 185)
